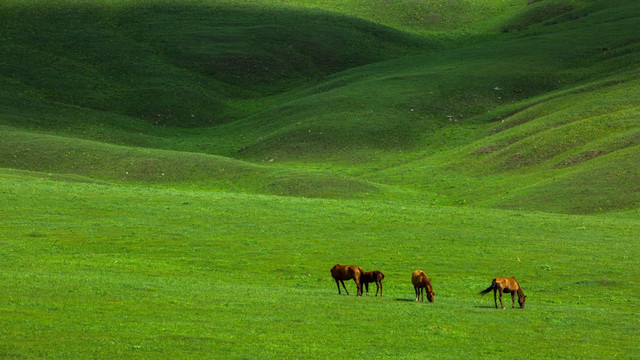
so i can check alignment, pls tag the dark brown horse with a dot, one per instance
(370, 277)
(347, 272)
(421, 283)
(509, 286)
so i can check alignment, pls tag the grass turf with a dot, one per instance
(95, 270)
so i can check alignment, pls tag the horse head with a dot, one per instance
(430, 292)
(521, 300)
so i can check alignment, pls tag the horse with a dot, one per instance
(347, 272)
(372, 276)
(421, 283)
(507, 285)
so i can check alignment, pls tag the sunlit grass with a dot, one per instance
(95, 270)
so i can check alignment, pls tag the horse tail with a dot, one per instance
(493, 286)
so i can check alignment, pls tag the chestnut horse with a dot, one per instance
(421, 283)
(506, 285)
(347, 272)
(372, 276)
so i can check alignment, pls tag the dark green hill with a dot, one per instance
(408, 103)
(176, 64)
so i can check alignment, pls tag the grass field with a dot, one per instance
(178, 178)
(97, 271)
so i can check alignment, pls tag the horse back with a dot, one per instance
(371, 276)
(419, 279)
(507, 284)
(345, 272)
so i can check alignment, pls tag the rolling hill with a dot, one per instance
(177, 177)
(508, 108)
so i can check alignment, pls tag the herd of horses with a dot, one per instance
(421, 284)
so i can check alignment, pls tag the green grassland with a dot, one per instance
(177, 178)
(94, 270)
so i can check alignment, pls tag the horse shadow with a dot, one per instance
(405, 300)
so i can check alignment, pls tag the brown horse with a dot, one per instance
(347, 272)
(372, 276)
(421, 283)
(506, 285)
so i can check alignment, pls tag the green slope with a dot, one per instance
(575, 152)
(179, 64)
(493, 117)
(449, 18)
(178, 177)
(71, 157)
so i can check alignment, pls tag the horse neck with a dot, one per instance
(428, 285)
(520, 293)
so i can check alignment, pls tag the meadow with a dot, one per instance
(178, 178)
(97, 271)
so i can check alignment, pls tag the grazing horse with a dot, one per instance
(507, 285)
(372, 276)
(421, 283)
(347, 272)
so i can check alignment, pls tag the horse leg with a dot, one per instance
(366, 285)
(415, 290)
(495, 300)
(513, 299)
(501, 304)
(422, 294)
(338, 283)
(380, 289)
(345, 288)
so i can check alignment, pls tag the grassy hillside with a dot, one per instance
(179, 64)
(576, 153)
(449, 18)
(93, 160)
(503, 115)
(178, 177)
